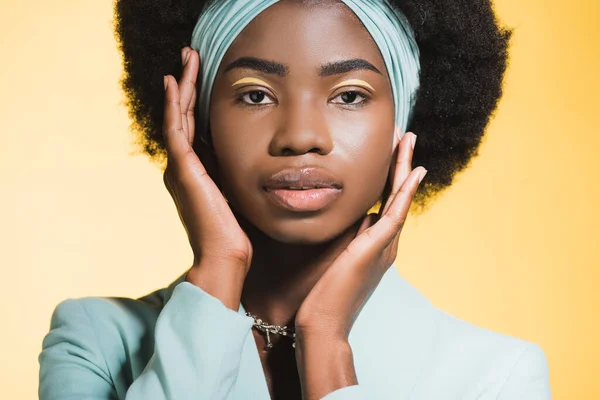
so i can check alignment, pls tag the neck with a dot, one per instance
(282, 274)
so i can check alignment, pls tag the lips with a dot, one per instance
(303, 189)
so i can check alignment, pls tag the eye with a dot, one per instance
(351, 97)
(255, 97)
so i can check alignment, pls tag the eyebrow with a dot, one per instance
(342, 67)
(260, 65)
(281, 70)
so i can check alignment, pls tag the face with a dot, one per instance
(302, 122)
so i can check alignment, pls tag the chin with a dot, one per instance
(305, 231)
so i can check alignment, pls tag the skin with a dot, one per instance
(311, 270)
(301, 125)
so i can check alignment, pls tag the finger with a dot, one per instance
(389, 224)
(191, 121)
(401, 168)
(367, 222)
(174, 136)
(376, 234)
(403, 165)
(396, 154)
(392, 171)
(207, 156)
(187, 88)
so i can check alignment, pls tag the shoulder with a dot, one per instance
(438, 353)
(466, 358)
(125, 317)
(106, 315)
(482, 350)
(112, 336)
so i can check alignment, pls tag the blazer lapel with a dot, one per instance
(391, 340)
(392, 337)
(251, 383)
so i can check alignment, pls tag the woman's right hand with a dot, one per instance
(222, 250)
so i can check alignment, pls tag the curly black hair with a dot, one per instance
(463, 56)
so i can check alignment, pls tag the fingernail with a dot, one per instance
(422, 176)
(165, 81)
(185, 56)
(414, 140)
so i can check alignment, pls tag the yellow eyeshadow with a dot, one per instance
(252, 80)
(353, 82)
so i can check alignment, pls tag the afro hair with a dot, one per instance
(463, 56)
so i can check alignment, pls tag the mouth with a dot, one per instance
(303, 189)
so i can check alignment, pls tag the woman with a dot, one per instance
(303, 109)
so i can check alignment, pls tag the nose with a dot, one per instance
(303, 129)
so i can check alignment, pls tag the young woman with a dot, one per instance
(301, 128)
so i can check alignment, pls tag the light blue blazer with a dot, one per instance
(182, 343)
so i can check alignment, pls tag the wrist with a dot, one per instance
(325, 364)
(220, 281)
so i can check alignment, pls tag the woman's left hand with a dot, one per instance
(329, 310)
(325, 317)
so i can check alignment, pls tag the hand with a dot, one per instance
(222, 251)
(325, 318)
(333, 304)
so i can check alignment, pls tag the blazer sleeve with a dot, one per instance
(529, 378)
(197, 352)
(354, 392)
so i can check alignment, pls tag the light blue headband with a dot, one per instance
(223, 20)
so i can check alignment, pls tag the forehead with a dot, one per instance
(305, 35)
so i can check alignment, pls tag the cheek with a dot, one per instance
(237, 133)
(232, 151)
(367, 175)
(366, 145)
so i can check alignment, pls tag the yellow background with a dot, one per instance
(512, 246)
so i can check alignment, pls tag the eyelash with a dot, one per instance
(365, 99)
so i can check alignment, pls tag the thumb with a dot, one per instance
(367, 222)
